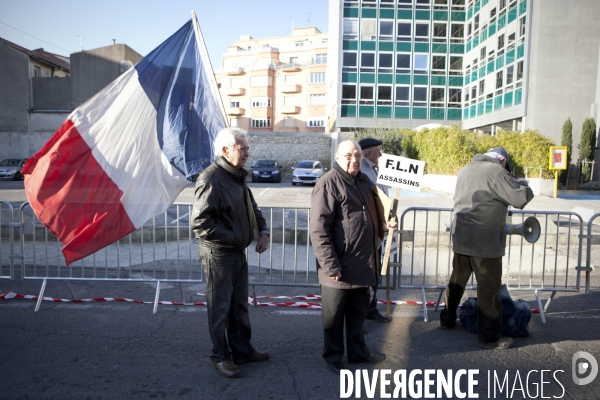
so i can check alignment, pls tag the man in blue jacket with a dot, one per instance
(484, 190)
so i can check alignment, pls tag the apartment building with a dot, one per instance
(489, 64)
(276, 84)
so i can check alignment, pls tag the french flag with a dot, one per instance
(125, 155)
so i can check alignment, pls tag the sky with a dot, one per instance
(65, 26)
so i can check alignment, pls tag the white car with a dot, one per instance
(10, 168)
(307, 171)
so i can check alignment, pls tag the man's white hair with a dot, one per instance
(227, 137)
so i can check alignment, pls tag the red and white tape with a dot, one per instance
(299, 304)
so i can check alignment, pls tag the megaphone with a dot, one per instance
(529, 229)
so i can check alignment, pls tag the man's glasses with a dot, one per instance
(243, 149)
(349, 157)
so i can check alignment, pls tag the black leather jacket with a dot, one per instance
(220, 218)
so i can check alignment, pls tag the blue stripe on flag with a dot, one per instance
(176, 80)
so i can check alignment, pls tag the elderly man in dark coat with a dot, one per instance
(345, 229)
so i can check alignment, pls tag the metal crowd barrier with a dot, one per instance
(425, 259)
(592, 239)
(164, 250)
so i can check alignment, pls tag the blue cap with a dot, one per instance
(501, 152)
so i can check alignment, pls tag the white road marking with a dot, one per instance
(261, 193)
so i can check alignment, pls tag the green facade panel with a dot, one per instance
(403, 46)
(350, 12)
(405, 14)
(490, 67)
(348, 111)
(520, 51)
(480, 108)
(369, 13)
(436, 113)
(498, 102)
(366, 111)
(467, 79)
(368, 45)
(456, 81)
(465, 113)
(457, 16)
(402, 112)
(489, 105)
(510, 56)
(499, 62)
(508, 99)
(440, 15)
(454, 114)
(439, 48)
(419, 113)
(422, 15)
(438, 80)
(367, 78)
(476, 41)
(385, 78)
(349, 77)
(492, 29)
(421, 47)
(384, 112)
(386, 14)
(512, 15)
(518, 96)
(522, 7)
(403, 79)
(473, 111)
(350, 45)
(457, 48)
(420, 80)
(477, 7)
(469, 44)
(386, 46)
(501, 22)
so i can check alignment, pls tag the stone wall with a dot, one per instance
(289, 148)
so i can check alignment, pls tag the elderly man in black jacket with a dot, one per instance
(345, 228)
(226, 220)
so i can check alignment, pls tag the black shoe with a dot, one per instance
(257, 356)
(376, 316)
(372, 359)
(336, 366)
(446, 326)
(502, 343)
(227, 368)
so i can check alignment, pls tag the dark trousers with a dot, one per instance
(488, 272)
(227, 303)
(344, 308)
(373, 304)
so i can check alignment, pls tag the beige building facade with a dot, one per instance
(276, 84)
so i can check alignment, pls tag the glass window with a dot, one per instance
(482, 53)
(260, 122)
(260, 102)
(421, 62)
(510, 74)
(476, 23)
(234, 103)
(437, 95)
(405, 3)
(386, 30)
(457, 31)
(403, 63)
(386, 3)
(456, 63)
(511, 41)
(316, 99)
(492, 13)
(386, 61)
(482, 87)
(439, 30)
(522, 25)
(321, 58)
(368, 29)
(473, 92)
(520, 70)
(366, 95)
(499, 79)
(420, 96)
(404, 30)
(350, 28)
(384, 95)
(422, 32)
(317, 77)
(502, 4)
(454, 95)
(402, 95)
(367, 62)
(348, 92)
(349, 61)
(438, 62)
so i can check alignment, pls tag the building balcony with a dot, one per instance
(290, 67)
(236, 111)
(235, 92)
(290, 110)
(236, 71)
(290, 89)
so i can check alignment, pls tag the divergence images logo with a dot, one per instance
(581, 368)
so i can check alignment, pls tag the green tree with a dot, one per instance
(587, 147)
(567, 140)
(391, 138)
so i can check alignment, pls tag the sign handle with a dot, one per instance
(555, 183)
(388, 248)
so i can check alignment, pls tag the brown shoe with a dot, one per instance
(227, 368)
(257, 356)
(502, 343)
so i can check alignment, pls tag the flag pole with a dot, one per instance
(204, 55)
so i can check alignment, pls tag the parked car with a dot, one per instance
(266, 171)
(307, 171)
(10, 168)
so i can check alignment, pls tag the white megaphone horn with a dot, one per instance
(529, 229)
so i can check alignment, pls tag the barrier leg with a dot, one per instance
(539, 302)
(437, 304)
(156, 297)
(424, 304)
(71, 290)
(41, 296)
(254, 296)
(181, 291)
(549, 300)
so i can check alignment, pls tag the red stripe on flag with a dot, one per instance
(72, 195)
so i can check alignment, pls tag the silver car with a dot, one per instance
(307, 171)
(10, 168)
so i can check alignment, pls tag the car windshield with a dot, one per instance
(9, 163)
(306, 164)
(266, 164)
